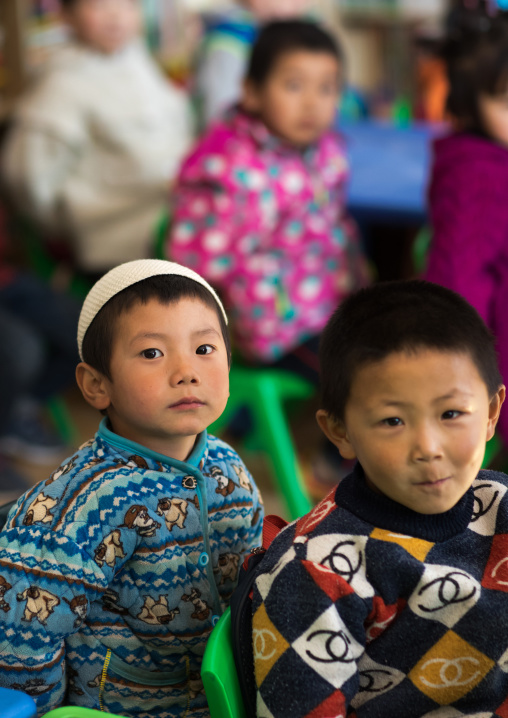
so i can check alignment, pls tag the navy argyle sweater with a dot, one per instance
(366, 608)
(114, 571)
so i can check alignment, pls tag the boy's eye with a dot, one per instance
(151, 353)
(393, 421)
(292, 85)
(451, 414)
(205, 349)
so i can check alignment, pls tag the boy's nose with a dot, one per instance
(427, 444)
(184, 373)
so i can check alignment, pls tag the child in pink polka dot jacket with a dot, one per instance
(258, 208)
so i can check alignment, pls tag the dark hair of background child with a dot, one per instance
(475, 51)
(282, 36)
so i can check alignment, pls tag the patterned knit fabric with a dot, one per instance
(368, 609)
(114, 571)
(266, 225)
(469, 217)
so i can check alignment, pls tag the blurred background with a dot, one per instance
(391, 111)
(394, 81)
(383, 40)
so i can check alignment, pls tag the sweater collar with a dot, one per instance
(354, 494)
(155, 460)
(247, 124)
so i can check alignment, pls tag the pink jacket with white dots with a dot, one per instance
(265, 223)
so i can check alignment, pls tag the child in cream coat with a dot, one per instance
(97, 139)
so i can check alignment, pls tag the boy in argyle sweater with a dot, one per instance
(389, 599)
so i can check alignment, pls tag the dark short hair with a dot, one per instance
(167, 289)
(475, 51)
(399, 316)
(282, 36)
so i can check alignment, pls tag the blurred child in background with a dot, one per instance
(258, 207)
(227, 44)
(98, 138)
(468, 207)
(38, 356)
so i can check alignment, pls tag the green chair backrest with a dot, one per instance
(40, 260)
(265, 392)
(219, 675)
(421, 246)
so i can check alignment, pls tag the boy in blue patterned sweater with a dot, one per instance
(389, 599)
(114, 570)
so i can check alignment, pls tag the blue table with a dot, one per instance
(389, 170)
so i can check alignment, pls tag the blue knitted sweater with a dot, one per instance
(366, 608)
(114, 571)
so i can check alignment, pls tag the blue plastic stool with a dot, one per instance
(15, 704)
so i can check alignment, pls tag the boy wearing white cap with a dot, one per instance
(115, 569)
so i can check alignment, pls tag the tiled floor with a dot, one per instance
(87, 420)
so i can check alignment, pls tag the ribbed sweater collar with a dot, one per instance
(248, 125)
(199, 451)
(354, 495)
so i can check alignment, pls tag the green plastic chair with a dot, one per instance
(219, 675)
(40, 260)
(420, 250)
(76, 712)
(62, 420)
(265, 392)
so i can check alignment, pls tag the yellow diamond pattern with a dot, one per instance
(268, 644)
(450, 670)
(416, 547)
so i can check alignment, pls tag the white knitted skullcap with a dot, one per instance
(124, 276)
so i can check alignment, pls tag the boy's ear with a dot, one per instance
(250, 100)
(494, 410)
(93, 385)
(335, 430)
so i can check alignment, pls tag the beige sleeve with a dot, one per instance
(34, 166)
(183, 125)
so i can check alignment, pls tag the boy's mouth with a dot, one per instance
(188, 402)
(433, 482)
